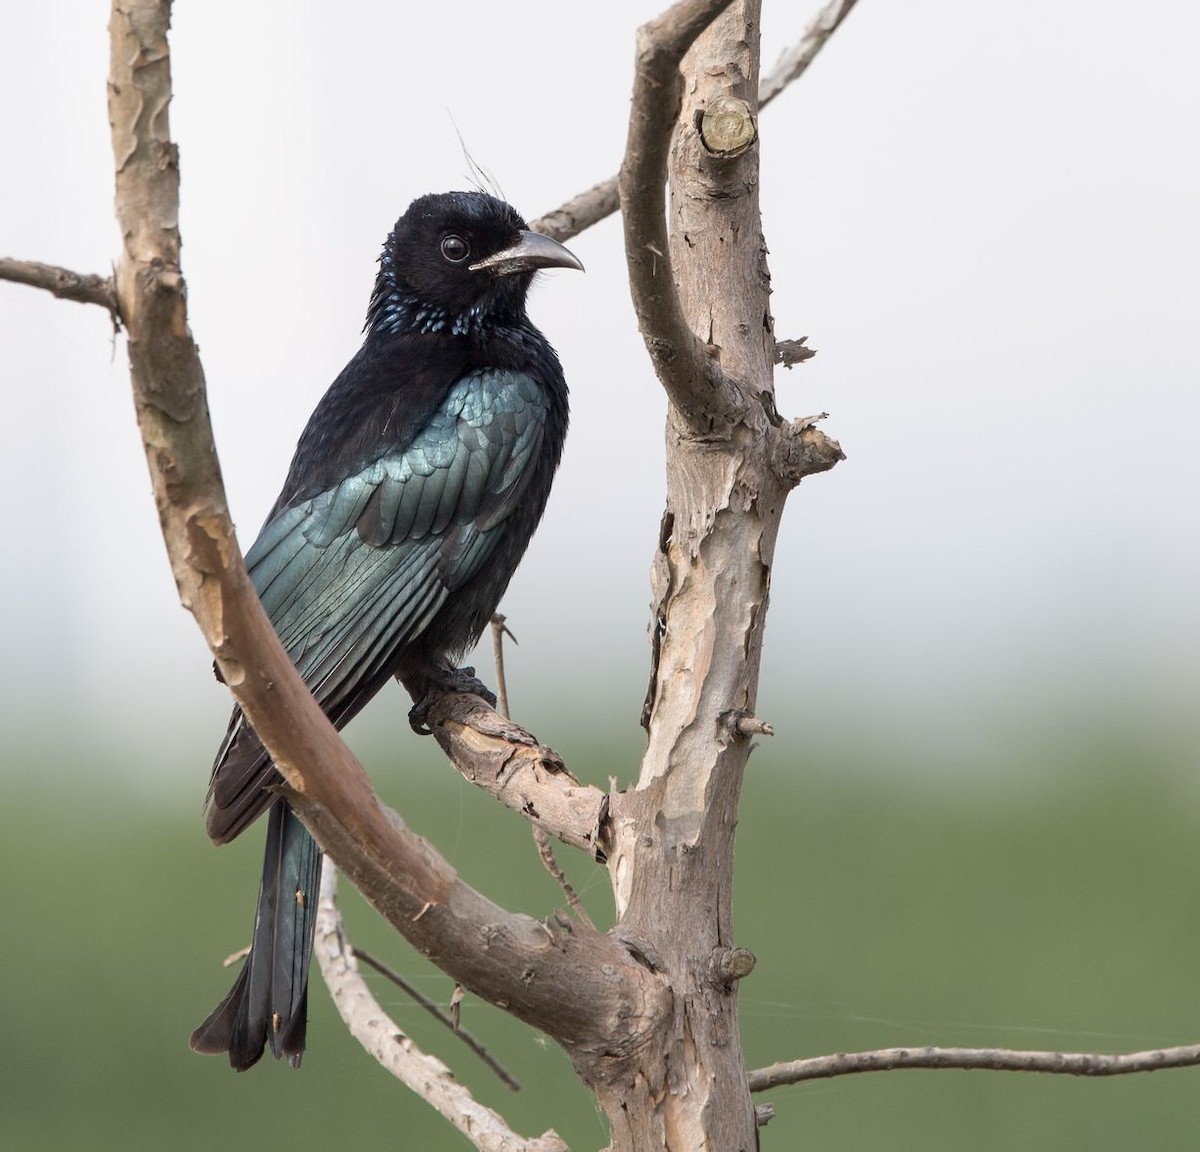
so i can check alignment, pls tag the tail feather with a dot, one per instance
(269, 1000)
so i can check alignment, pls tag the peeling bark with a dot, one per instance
(672, 858)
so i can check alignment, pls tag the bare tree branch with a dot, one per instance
(795, 60)
(643, 1022)
(426, 1075)
(546, 855)
(600, 201)
(792, 352)
(692, 378)
(62, 282)
(994, 1059)
(580, 212)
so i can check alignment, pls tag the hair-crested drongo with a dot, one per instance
(413, 494)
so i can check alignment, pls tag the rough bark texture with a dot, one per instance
(672, 859)
(504, 759)
(61, 282)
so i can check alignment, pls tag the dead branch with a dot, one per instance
(499, 630)
(83, 288)
(580, 212)
(692, 378)
(799, 448)
(994, 1059)
(789, 353)
(795, 60)
(426, 1075)
(672, 860)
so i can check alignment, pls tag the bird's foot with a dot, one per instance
(465, 680)
(447, 680)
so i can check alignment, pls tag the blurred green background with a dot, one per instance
(1054, 908)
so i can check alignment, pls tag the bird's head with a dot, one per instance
(456, 261)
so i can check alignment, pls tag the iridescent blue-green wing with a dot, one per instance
(353, 574)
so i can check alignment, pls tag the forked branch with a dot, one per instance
(541, 970)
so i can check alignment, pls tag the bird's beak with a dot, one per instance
(530, 252)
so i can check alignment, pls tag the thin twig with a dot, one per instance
(601, 200)
(83, 288)
(796, 59)
(546, 854)
(540, 836)
(426, 1075)
(499, 630)
(435, 1011)
(994, 1059)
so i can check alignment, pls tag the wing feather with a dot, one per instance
(352, 575)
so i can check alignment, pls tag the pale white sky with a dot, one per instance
(985, 218)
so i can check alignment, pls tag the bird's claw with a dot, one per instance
(465, 680)
(449, 680)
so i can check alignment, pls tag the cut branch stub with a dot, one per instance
(727, 127)
(590, 207)
(727, 965)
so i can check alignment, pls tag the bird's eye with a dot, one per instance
(455, 249)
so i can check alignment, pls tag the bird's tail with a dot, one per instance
(269, 999)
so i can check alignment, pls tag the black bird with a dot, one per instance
(413, 494)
